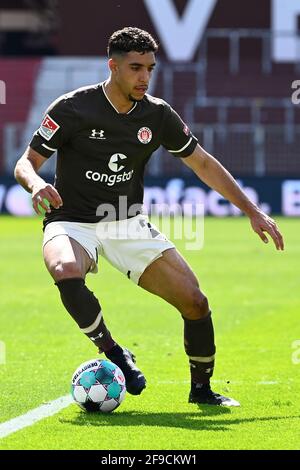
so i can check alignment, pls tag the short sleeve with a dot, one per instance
(176, 136)
(57, 126)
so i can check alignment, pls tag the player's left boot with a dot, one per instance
(205, 395)
(135, 380)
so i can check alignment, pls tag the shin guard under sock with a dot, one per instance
(85, 309)
(200, 348)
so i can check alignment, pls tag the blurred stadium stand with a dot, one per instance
(233, 95)
(238, 104)
(28, 27)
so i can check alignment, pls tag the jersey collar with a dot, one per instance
(133, 107)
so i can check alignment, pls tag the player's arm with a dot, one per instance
(56, 128)
(211, 172)
(26, 174)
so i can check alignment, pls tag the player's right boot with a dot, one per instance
(135, 380)
(204, 395)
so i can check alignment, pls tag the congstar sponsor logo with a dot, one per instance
(115, 164)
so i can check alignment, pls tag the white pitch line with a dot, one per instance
(32, 416)
(222, 382)
(268, 382)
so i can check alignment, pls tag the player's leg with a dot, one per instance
(68, 262)
(172, 279)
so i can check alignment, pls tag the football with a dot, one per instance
(98, 385)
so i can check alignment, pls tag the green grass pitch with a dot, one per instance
(254, 295)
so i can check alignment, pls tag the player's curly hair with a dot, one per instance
(131, 39)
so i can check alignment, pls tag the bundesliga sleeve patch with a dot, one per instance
(48, 128)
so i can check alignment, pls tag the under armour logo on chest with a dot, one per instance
(97, 134)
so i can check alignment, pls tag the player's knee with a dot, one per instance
(62, 270)
(197, 306)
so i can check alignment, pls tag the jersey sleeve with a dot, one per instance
(57, 126)
(177, 137)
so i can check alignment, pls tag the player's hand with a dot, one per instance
(261, 223)
(48, 192)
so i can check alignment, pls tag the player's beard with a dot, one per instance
(131, 98)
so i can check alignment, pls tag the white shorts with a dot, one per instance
(130, 245)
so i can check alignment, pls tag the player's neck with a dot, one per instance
(119, 101)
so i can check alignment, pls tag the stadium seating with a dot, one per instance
(238, 103)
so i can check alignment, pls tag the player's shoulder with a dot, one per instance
(156, 103)
(75, 97)
(84, 91)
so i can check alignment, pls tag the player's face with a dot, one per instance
(132, 74)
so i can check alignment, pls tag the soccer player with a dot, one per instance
(104, 135)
